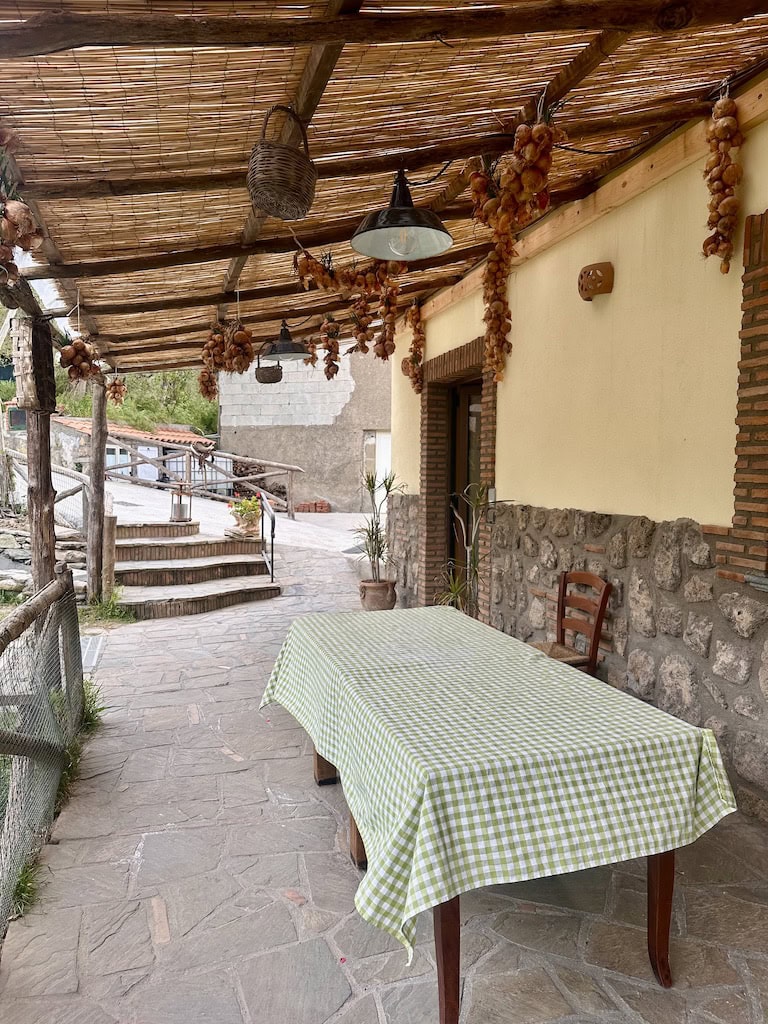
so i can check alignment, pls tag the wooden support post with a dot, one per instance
(94, 550)
(108, 564)
(40, 493)
(40, 498)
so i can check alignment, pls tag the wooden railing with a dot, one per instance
(214, 476)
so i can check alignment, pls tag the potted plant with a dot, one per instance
(247, 515)
(378, 592)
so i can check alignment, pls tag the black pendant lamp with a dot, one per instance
(284, 349)
(402, 231)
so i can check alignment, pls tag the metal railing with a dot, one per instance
(41, 706)
(267, 509)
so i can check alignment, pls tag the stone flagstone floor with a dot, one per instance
(199, 877)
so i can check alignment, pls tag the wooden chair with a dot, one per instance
(591, 627)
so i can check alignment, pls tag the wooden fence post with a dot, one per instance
(95, 550)
(108, 566)
(40, 492)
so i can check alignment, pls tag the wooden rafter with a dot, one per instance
(51, 33)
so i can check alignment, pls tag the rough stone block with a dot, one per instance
(748, 706)
(579, 526)
(732, 662)
(548, 554)
(530, 546)
(616, 551)
(696, 549)
(533, 573)
(620, 634)
(641, 672)
(744, 615)
(598, 523)
(560, 522)
(565, 559)
(640, 535)
(670, 620)
(762, 676)
(667, 569)
(539, 517)
(537, 613)
(715, 693)
(597, 567)
(522, 517)
(677, 690)
(641, 608)
(750, 756)
(698, 634)
(698, 589)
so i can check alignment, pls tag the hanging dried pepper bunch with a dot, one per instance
(214, 349)
(238, 348)
(79, 359)
(311, 359)
(722, 175)
(508, 202)
(116, 391)
(330, 330)
(207, 384)
(17, 227)
(412, 364)
(385, 345)
(362, 319)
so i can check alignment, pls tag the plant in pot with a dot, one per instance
(247, 515)
(461, 577)
(378, 592)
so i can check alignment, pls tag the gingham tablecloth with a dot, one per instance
(468, 758)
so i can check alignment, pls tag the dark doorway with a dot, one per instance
(465, 469)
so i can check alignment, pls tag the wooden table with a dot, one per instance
(470, 759)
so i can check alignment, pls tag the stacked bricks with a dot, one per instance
(743, 549)
(458, 365)
(313, 506)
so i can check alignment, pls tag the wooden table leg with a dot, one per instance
(325, 772)
(356, 846)
(661, 884)
(447, 922)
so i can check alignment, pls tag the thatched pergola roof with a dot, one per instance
(137, 117)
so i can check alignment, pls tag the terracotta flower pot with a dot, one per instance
(377, 597)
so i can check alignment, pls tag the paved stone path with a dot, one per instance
(199, 877)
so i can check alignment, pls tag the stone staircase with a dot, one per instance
(166, 569)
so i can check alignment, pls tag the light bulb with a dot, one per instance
(404, 243)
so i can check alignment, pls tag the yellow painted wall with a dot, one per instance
(625, 404)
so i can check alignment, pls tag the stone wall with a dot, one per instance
(677, 634)
(403, 542)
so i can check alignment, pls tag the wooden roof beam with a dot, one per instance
(339, 231)
(54, 32)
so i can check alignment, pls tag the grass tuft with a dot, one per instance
(100, 613)
(26, 890)
(92, 707)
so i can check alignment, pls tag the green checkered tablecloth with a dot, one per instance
(468, 758)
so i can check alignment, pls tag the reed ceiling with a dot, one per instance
(133, 153)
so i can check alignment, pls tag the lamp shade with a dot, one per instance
(402, 231)
(284, 349)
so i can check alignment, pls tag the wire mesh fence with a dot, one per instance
(71, 505)
(41, 706)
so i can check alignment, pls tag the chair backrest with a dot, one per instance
(593, 607)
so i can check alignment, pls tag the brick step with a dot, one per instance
(159, 549)
(189, 570)
(149, 530)
(196, 598)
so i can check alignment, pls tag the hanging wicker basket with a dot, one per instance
(281, 179)
(269, 374)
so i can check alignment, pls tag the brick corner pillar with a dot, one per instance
(435, 489)
(742, 550)
(488, 478)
